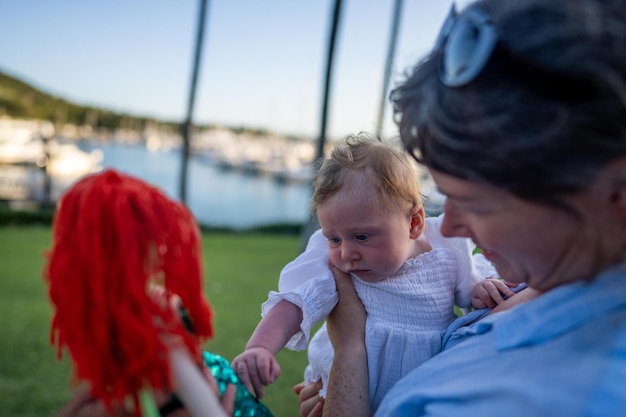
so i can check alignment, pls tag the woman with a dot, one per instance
(519, 113)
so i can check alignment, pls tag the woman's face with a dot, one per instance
(529, 242)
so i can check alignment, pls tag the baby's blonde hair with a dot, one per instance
(366, 162)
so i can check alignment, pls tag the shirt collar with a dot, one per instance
(558, 310)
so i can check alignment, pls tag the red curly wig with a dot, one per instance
(112, 235)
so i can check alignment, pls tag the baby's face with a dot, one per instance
(365, 238)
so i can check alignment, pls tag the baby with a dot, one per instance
(409, 277)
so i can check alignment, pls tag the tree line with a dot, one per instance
(21, 100)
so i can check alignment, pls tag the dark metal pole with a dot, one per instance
(312, 224)
(186, 128)
(332, 40)
(395, 24)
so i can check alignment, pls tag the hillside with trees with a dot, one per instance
(22, 101)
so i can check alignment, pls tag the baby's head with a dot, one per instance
(368, 202)
(113, 237)
(366, 162)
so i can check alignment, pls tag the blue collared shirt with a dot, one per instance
(561, 354)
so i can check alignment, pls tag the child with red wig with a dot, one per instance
(125, 277)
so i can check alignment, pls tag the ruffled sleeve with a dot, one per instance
(307, 283)
(310, 263)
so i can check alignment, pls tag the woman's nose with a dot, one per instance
(453, 224)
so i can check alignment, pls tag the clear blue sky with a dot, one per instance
(262, 65)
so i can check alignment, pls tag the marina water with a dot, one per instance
(217, 197)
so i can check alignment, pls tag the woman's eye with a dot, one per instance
(474, 208)
(479, 210)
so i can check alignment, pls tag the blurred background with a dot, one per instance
(224, 104)
(90, 85)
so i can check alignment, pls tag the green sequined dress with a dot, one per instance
(246, 404)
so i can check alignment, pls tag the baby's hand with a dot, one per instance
(488, 293)
(256, 367)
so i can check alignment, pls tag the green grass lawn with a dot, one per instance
(239, 271)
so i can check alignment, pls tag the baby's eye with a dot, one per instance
(361, 237)
(334, 241)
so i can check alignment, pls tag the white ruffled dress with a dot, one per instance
(407, 313)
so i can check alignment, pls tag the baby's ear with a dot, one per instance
(417, 222)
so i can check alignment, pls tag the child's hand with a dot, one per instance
(489, 293)
(256, 367)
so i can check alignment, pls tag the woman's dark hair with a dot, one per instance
(546, 112)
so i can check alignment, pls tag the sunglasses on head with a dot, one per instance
(465, 43)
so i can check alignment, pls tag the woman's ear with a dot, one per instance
(618, 190)
(417, 222)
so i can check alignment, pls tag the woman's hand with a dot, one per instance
(521, 297)
(309, 401)
(346, 323)
(348, 385)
